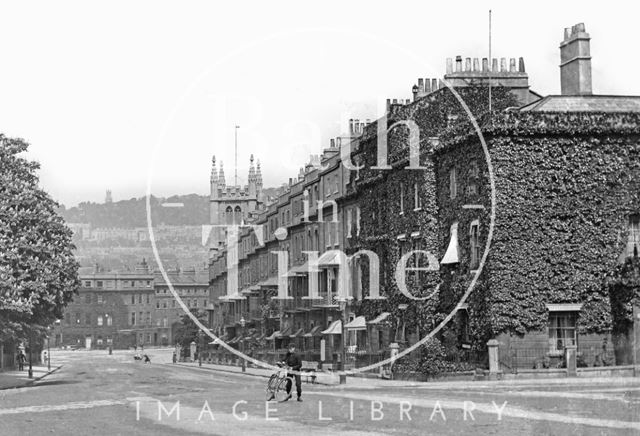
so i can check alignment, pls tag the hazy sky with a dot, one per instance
(100, 88)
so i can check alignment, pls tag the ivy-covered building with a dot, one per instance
(560, 201)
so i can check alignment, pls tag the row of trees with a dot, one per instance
(38, 271)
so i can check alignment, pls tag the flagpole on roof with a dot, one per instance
(490, 63)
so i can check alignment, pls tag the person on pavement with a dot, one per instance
(292, 360)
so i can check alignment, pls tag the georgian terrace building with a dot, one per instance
(565, 171)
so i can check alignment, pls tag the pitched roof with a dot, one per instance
(585, 103)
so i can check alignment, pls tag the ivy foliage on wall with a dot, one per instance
(565, 186)
(624, 293)
(392, 223)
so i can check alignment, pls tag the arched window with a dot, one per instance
(229, 215)
(237, 219)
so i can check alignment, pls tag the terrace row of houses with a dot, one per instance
(511, 226)
(129, 309)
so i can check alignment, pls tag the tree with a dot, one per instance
(187, 330)
(38, 271)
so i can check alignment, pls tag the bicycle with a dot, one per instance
(277, 384)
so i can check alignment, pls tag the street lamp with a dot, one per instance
(343, 351)
(48, 351)
(106, 315)
(30, 354)
(243, 322)
(200, 346)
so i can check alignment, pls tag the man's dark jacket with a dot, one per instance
(292, 360)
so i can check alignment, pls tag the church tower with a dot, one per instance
(231, 205)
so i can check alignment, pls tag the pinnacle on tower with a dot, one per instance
(258, 176)
(252, 171)
(221, 180)
(214, 171)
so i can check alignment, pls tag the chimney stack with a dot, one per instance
(575, 62)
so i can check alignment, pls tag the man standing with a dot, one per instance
(21, 360)
(292, 360)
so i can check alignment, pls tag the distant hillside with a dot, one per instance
(132, 213)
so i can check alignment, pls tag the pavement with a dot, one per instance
(97, 393)
(17, 379)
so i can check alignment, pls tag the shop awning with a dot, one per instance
(271, 282)
(380, 318)
(297, 334)
(285, 332)
(316, 331)
(331, 258)
(357, 324)
(299, 270)
(254, 288)
(451, 255)
(219, 340)
(273, 335)
(334, 329)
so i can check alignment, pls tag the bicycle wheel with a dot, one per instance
(281, 389)
(271, 386)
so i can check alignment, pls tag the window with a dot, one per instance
(336, 184)
(109, 320)
(99, 320)
(474, 171)
(99, 341)
(87, 319)
(99, 284)
(77, 317)
(173, 303)
(87, 284)
(417, 201)
(349, 222)
(148, 298)
(157, 304)
(474, 244)
(149, 318)
(164, 304)
(133, 318)
(633, 242)
(401, 199)
(87, 298)
(357, 221)
(148, 283)
(133, 299)
(562, 330)
(453, 184)
(109, 340)
(100, 298)
(140, 299)
(164, 322)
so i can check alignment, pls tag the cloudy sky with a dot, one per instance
(106, 91)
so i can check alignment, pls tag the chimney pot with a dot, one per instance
(458, 64)
(521, 65)
(427, 86)
(420, 85)
(435, 85)
(512, 65)
(467, 64)
(503, 64)
(333, 143)
(494, 65)
(449, 65)
(476, 64)
(575, 62)
(485, 64)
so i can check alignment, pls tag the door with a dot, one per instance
(87, 342)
